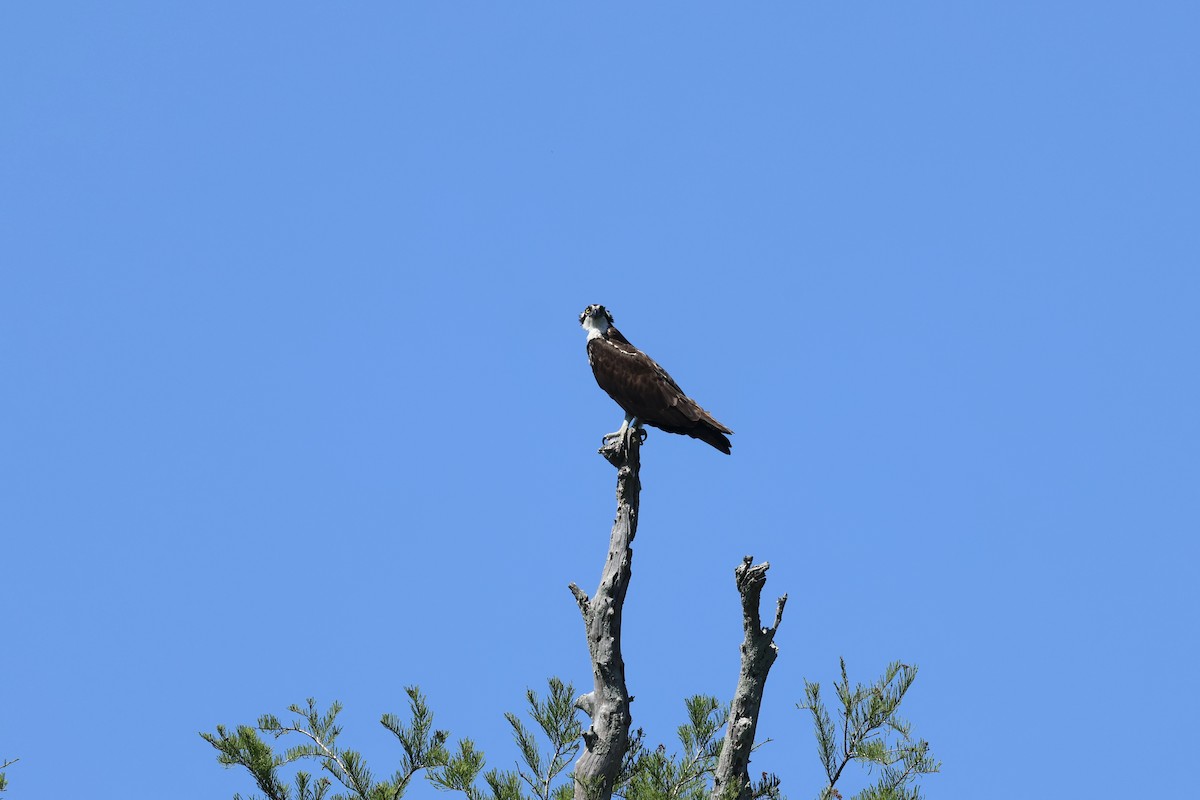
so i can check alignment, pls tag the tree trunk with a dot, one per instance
(732, 779)
(607, 738)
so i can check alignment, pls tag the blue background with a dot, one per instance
(295, 402)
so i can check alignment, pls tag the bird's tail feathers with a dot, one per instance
(714, 435)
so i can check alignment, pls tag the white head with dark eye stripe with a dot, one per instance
(596, 320)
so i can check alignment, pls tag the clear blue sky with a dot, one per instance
(296, 403)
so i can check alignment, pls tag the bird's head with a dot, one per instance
(596, 320)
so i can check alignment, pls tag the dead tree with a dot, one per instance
(607, 738)
(732, 778)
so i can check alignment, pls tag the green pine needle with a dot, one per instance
(871, 732)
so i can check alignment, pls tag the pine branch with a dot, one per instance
(3, 778)
(868, 715)
(556, 717)
(460, 771)
(246, 748)
(684, 775)
(347, 766)
(424, 748)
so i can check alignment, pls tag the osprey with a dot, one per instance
(641, 387)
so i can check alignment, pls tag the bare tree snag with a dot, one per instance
(607, 738)
(732, 778)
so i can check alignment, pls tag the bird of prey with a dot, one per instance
(641, 387)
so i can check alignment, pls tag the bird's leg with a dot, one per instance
(609, 437)
(636, 429)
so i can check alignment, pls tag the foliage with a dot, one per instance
(3, 778)
(423, 748)
(686, 775)
(541, 772)
(869, 730)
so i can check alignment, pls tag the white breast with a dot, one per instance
(595, 326)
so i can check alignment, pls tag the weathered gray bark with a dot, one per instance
(607, 738)
(732, 779)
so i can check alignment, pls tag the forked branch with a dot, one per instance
(732, 779)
